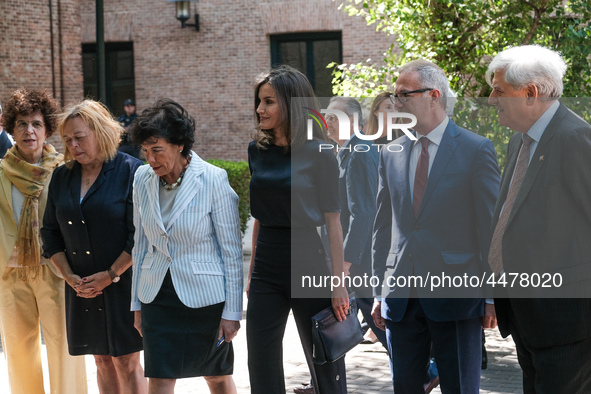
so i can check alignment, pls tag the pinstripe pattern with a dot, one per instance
(201, 246)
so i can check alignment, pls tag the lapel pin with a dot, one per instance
(541, 158)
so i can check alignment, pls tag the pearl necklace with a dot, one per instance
(178, 182)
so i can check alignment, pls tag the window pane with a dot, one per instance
(294, 54)
(119, 74)
(123, 65)
(90, 76)
(325, 52)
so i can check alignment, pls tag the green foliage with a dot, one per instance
(477, 115)
(239, 178)
(462, 37)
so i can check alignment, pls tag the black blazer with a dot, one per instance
(548, 232)
(358, 188)
(94, 232)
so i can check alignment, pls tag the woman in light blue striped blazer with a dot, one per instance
(187, 258)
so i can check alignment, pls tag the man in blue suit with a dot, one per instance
(435, 204)
(358, 185)
(5, 142)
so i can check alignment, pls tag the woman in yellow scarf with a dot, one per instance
(31, 291)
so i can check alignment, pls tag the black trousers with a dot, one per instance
(557, 369)
(269, 303)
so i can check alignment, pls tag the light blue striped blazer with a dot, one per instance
(201, 245)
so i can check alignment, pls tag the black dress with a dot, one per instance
(289, 194)
(93, 233)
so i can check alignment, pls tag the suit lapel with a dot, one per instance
(445, 152)
(190, 187)
(537, 161)
(506, 181)
(107, 166)
(344, 154)
(153, 189)
(75, 179)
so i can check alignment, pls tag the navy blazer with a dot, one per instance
(5, 143)
(358, 186)
(107, 205)
(451, 232)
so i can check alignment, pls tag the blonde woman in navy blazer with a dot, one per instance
(187, 257)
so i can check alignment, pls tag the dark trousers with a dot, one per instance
(563, 369)
(457, 346)
(269, 303)
(365, 306)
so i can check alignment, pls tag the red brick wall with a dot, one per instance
(209, 72)
(26, 51)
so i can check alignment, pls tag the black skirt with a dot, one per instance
(180, 342)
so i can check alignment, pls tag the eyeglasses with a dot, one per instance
(21, 125)
(403, 96)
(331, 118)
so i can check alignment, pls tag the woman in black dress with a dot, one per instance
(88, 234)
(293, 191)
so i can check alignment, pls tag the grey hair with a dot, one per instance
(530, 65)
(350, 107)
(430, 76)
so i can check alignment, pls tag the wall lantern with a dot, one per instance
(183, 13)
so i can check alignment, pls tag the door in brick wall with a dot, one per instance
(120, 75)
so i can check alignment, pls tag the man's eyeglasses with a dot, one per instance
(21, 125)
(403, 96)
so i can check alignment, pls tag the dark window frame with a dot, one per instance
(309, 38)
(110, 49)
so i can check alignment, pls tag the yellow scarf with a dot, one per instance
(30, 180)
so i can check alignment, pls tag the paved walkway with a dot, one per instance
(368, 371)
(367, 368)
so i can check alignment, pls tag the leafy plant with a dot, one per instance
(462, 36)
(239, 178)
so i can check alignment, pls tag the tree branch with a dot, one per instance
(538, 12)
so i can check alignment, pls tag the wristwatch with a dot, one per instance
(114, 277)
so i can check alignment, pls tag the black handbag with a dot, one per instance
(332, 339)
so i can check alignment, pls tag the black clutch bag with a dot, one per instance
(332, 338)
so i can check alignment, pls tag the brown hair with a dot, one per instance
(288, 83)
(27, 101)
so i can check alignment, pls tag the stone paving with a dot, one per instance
(367, 368)
(368, 371)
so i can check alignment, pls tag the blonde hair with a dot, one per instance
(98, 118)
(372, 123)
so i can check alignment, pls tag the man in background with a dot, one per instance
(5, 141)
(126, 120)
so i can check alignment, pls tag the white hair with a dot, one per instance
(530, 65)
